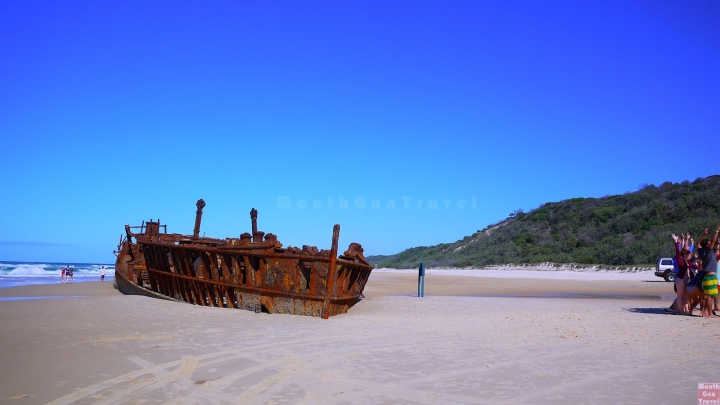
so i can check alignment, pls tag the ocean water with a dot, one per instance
(26, 273)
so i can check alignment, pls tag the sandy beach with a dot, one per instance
(474, 338)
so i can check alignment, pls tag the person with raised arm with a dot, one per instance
(709, 267)
(717, 259)
(682, 257)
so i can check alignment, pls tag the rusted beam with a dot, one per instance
(331, 272)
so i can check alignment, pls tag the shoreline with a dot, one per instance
(538, 273)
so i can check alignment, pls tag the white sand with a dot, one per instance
(455, 346)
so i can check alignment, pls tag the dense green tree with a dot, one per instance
(629, 229)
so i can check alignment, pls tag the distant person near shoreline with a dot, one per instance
(102, 273)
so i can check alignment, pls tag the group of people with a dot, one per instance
(696, 279)
(67, 274)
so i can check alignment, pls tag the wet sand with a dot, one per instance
(470, 340)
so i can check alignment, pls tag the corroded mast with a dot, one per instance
(198, 217)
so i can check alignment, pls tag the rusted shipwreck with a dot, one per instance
(252, 272)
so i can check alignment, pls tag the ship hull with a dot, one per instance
(237, 273)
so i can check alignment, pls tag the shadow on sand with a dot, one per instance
(654, 311)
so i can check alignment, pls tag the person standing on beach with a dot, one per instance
(682, 260)
(717, 259)
(709, 266)
(62, 277)
(102, 273)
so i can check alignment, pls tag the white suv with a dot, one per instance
(665, 269)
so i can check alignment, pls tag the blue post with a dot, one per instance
(421, 280)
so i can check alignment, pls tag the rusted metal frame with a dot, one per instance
(153, 281)
(187, 290)
(181, 268)
(222, 298)
(249, 271)
(172, 283)
(230, 296)
(225, 266)
(235, 267)
(296, 274)
(345, 300)
(362, 279)
(238, 269)
(157, 263)
(249, 254)
(342, 276)
(299, 266)
(166, 284)
(317, 278)
(152, 277)
(253, 269)
(331, 272)
(221, 271)
(217, 275)
(179, 286)
(192, 278)
(187, 255)
(261, 271)
(197, 291)
(357, 282)
(206, 294)
(160, 283)
(149, 255)
(352, 279)
(177, 292)
(256, 290)
(213, 295)
(226, 293)
(202, 294)
(359, 275)
(209, 275)
(207, 263)
(247, 251)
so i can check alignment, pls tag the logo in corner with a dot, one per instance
(709, 393)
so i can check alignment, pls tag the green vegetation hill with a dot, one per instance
(629, 229)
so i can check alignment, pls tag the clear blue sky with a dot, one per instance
(114, 112)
